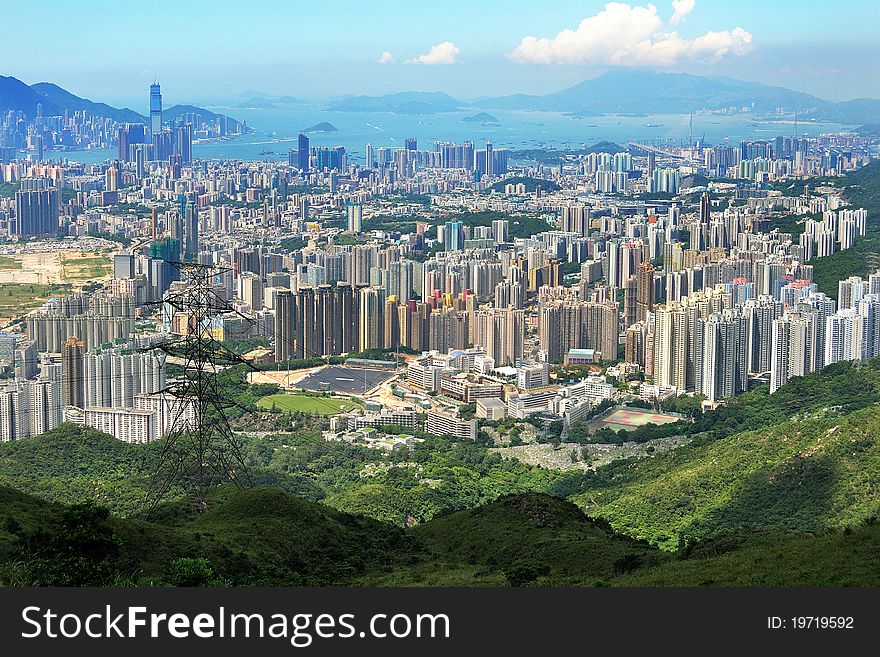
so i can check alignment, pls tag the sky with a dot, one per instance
(213, 50)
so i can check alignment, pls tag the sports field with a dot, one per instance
(307, 404)
(627, 418)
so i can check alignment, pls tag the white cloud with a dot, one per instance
(625, 35)
(442, 53)
(682, 8)
(386, 58)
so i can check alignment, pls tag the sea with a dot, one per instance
(275, 131)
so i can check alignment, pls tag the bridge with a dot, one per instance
(655, 149)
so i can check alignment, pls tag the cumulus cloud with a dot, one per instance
(625, 35)
(682, 8)
(386, 58)
(442, 53)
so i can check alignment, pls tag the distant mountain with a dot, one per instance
(257, 99)
(405, 102)
(171, 113)
(481, 117)
(321, 127)
(255, 103)
(649, 92)
(65, 100)
(858, 110)
(17, 96)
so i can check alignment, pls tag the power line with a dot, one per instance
(195, 454)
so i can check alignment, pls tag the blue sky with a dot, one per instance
(214, 49)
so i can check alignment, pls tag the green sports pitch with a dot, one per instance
(308, 404)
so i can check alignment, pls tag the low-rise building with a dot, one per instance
(444, 424)
(127, 425)
(491, 409)
(468, 388)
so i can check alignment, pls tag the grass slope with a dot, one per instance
(266, 537)
(812, 473)
(772, 558)
(521, 539)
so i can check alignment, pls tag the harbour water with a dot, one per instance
(276, 129)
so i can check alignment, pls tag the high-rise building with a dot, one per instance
(155, 109)
(28, 408)
(645, 291)
(844, 336)
(869, 309)
(189, 213)
(501, 333)
(123, 265)
(183, 138)
(793, 344)
(371, 320)
(284, 325)
(72, 368)
(355, 213)
(36, 209)
(303, 153)
(500, 230)
(722, 366)
(453, 235)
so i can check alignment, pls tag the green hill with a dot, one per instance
(818, 471)
(771, 558)
(520, 539)
(266, 537)
(531, 184)
(256, 537)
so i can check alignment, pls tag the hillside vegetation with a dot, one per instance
(819, 471)
(266, 537)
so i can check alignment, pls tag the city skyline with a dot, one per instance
(490, 52)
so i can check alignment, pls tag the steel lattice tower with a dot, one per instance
(201, 450)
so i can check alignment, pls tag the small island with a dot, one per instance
(322, 127)
(482, 117)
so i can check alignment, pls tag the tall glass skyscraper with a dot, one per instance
(303, 156)
(155, 109)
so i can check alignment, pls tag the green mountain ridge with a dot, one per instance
(266, 537)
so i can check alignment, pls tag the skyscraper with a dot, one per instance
(453, 235)
(372, 314)
(72, 365)
(705, 208)
(189, 216)
(645, 291)
(355, 213)
(36, 209)
(155, 109)
(793, 342)
(303, 153)
(284, 325)
(183, 143)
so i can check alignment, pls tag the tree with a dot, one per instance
(80, 551)
(573, 455)
(189, 571)
(585, 456)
